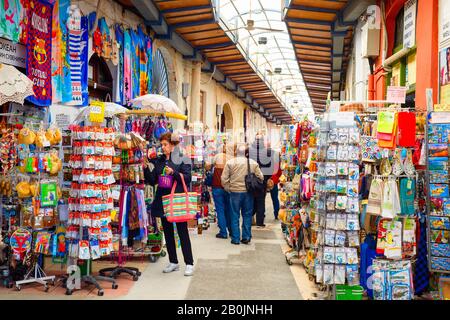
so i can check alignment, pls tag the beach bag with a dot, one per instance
(180, 207)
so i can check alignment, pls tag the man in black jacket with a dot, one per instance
(264, 157)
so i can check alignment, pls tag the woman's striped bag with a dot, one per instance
(180, 207)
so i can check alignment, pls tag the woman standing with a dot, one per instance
(220, 196)
(241, 201)
(173, 163)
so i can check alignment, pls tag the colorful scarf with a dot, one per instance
(142, 62)
(66, 78)
(10, 14)
(135, 54)
(127, 67)
(149, 48)
(119, 92)
(57, 62)
(39, 52)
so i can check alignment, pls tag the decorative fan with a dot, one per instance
(160, 76)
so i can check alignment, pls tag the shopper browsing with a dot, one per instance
(241, 201)
(171, 163)
(220, 196)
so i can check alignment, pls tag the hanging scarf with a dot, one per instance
(66, 79)
(143, 218)
(57, 62)
(422, 274)
(133, 211)
(119, 90)
(123, 216)
(142, 62)
(149, 47)
(127, 67)
(135, 60)
(39, 52)
(10, 17)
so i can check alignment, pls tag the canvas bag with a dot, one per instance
(180, 207)
(375, 197)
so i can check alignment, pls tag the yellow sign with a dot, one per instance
(441, 107)
(97, 111)
(445, 94)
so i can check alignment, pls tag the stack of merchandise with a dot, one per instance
(91, 202)
(337, 211)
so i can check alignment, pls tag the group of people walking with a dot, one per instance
(232, 199)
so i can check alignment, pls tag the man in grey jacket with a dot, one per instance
(241, 201)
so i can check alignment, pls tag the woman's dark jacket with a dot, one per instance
(179, 164)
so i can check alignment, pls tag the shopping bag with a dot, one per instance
(165, 181)
(180, 207)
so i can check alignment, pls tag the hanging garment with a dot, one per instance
(368, 254)
(375, 197)
(123, 217)
(106, 39)
(406, 129)
(390, 206)
(127, 67)
(386, 120)
(407, 196)
(389, 143)
(120, 82)
(57, 61)
(10, 14)
(66, 78)
(149, 48)
(135, 63)
(24, 11)
(142, 62)
(421, 274)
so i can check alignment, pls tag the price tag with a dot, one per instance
(194, 178)
(97, 112)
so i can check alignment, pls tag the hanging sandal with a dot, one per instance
(397, 166)
(408, 164)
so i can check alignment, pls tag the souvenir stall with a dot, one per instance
(296, 157)
(438, 129)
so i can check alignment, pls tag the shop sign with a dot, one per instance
(409, 24)
(97, 111)
(396, 94)
(12, 53)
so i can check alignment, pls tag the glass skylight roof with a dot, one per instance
(271, 52)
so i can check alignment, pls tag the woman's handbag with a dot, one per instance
(180, 207)
(209, 177)
(165, 181)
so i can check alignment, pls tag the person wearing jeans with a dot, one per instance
(273, 181)
(220, 196)
(241, 201)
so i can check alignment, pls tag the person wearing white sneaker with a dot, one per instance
(189, 270)
(171, 267)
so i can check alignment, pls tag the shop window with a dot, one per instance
(99, 79)
(399, 22)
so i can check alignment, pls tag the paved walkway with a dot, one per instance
(222, 271)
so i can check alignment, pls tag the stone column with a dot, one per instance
(194, 112)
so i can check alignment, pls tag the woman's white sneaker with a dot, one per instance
(171, 267)
(189, 270)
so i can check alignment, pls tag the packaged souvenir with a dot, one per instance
(439, 176)
(352, 255)
(328, 255)
(341, 202)
(438, 150)
(439, 236)
(352, 222)
(343, 136)
(339, 274)
(353, 238)
(340, 255)
(331, 169)
(409, 238)
(318, 269)
(440, 250)
(328, 274)
(331, 221)
(439, 222)
(95, 249)
(340, 238)
(353, 171)
(341, 221)
(440, 263)
(332, 152)
(83, 251)
(341, 186)
(343, 153)
(353, 153)
(333, 135)
(354, 135)
(329, 237)
(342, 168)
(330, 185)
(352, 272)
(352, 190)
(439, 190)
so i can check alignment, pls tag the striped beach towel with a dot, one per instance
(180, 207)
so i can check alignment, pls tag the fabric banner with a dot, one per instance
(149, 65)
(57, 62)
(66, 82)
(10, 17)
(119, 90)
(39, 50)
(127, 67)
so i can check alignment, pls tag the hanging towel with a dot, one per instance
(422, 274)
(407, 196)
(406, 129)
(390, 206)
(386, 121)
(10, 11)
(375, 197)
(123, 216)
(149, 48)
(119, 91)
(66, 79)
(390, 143)
(127, 67)
(57, 62)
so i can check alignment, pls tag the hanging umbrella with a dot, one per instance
(110, 110)
(156, 103)
(14, 85)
